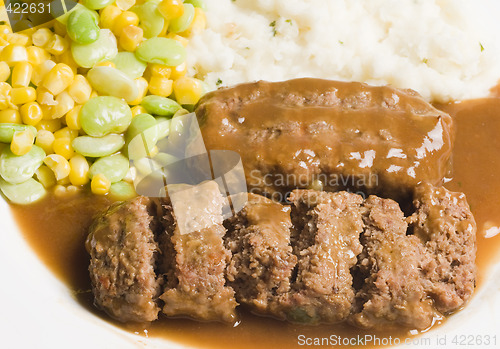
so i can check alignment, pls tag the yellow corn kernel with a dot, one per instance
(58, 78)
(64, 104)
(60, 190)
(73, 118)
(60, 28)
(142, 86)
(41, 70)
(164, 30)
(108, 16)
(160, 86)
(106, 64)
(12, 54)
(71, 189)
(21, 95)
(18, 39)
(171, 9)
(130, 37)
(124, 5)
(5, 102)
(21, 74)
(124, 19)
(94, 94)
(42, 37)
(67, 58)
(62, 146)
(45, 140)
(80, 89)
(160, 70)
(45, 176)
(58, 164)
(100, 184)
(31, 113)
(10, 116)
(64, 181)
(138, 109)
(49, 125)
(4, 71)
(22, 141)
(179, 71)
(79, 173)
(4, 30)
(37, 55)
(178, 38)
(45, 98)
(57, 45)
(188, 90)
(198, 24)
(66, 132)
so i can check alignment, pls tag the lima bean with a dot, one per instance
(113, 82)
(197, 3)
(104, 48)
(163, 127)
(113, 167)
(23, 193)
(180, 24)
(7, 131)
(150, 19)
(17, 169)
(97, 4)
(161, 106)
(142, 136)
(162, 51)
(122, 191)
(97, 147)
(128, 63)
(83, 26)
(104, 115)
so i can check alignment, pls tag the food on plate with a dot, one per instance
(327, 258)
(309, 132)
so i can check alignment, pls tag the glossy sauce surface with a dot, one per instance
(56, 229)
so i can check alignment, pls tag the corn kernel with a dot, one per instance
(49, 125)
(71, 189)
(73, 118)
(18, 39)
(21, 95)
(64, 104)
(124, 5)
(37, 55)
(79, 173)
(31, 113)
(42, 37)
(45, 176)
(160, 86)
(94, 94)
(22, 141)
(171, 9)
(45, 140)
(184, 42)
(66, 132)
(45, 98)
(10, 116)
(100, 184)
(198, 24)
(5, 102)
(164, 30)
(106, 64)
(59, 28)
(179, 71)
(58, 164)
(62, 146)
(4, 71)
(108, 16)
(58, 78)
(138, 109)
(80, 89)
(40, 71)
(60, 190)
(142, 86)
(124, 19)
(13, 54)
(4, 30)
(161, 70)
(57, 45)
(130, 37)
(188, 90)
(67, 58)
(21, 74)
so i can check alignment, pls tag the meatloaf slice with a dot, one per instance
(325, 238)
(392, 293)
(198, 287)
(262, 260)
(445, 225)
(122, 266)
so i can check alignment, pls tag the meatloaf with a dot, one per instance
(328, 257)
(344, 135)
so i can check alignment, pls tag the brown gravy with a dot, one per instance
(56, 229)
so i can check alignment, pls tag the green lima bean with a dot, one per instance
(113, 167)
(7, 131)
(83, 26)
(23, 193)
(161, 106)
(17, 169)
(96, 147)
(104, 115)
(162, 51)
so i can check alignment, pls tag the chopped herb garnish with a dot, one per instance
(289, 21)
(425, 60)
(273, 25)
(341, 42)
(482, 47)
(2, 22)
(219, 81)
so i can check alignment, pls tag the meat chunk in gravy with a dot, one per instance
(328, 257)
(347, 135)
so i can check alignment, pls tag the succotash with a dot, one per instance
(75, 92)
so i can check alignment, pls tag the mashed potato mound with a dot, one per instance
(444, 49)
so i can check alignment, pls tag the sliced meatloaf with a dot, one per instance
(123, 253)
(325, 237)
(262, 260)
(445, 226)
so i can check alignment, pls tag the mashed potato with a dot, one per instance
(444, 49)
